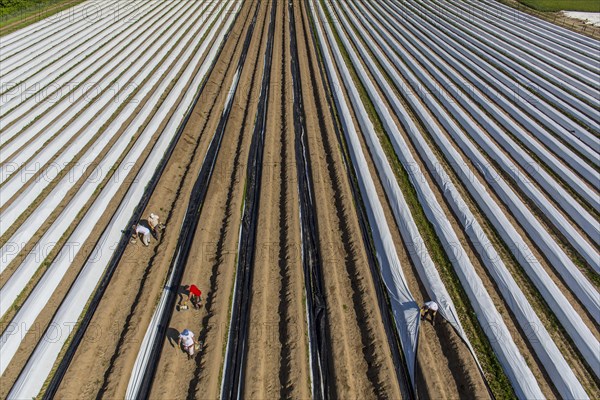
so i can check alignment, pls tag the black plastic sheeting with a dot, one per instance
(190, 222)
(311, 259)
(401, 369)
(235, 358)
(122, 245)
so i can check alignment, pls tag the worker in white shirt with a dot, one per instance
(187, 339)
(154, 224)
(143, 232)
(430, 307)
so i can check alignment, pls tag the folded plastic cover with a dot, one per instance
(417, 248)
(508, 353)
(564, 311)
(404, 307)
(545, 348)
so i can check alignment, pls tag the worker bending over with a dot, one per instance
(430, 307)
(143, 232)
(155, 225)
(195, 297)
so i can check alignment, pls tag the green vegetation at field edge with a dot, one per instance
(495, 376)
(16, 14)
(563, 5)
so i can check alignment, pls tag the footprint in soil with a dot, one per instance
(173, 335)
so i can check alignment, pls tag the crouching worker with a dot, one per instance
(189, 342)
(195, 297)
(431, 308)
(143, 232)
(155, 225)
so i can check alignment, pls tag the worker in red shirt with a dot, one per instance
(195, 296)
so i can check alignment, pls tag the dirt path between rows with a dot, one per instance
(34, 335)
(533, 296)
(118, 326)
(99, 332)
(38, 171)
(89, 173)
(362, 363)
(445, 367)
(212, 261)
(277, 360)
(519, 336)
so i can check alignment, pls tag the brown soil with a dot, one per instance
(126, 309)
(97, 330)
(476, 262)
(559, 336)
(362, 364)
(277, 359)
(71, 193)
(519, 336)
(85, 101)
(372, 370)
(5, 275)
(277, 365)
(445, 367)
(212, 261)
(45, 317)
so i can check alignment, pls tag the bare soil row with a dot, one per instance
(127, 307)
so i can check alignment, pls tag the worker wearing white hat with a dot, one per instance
(187, 339)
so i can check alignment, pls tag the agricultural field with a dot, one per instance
(563, 5)
(16, 14)
(320, 169)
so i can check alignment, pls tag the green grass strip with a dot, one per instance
(17, 14)
(566, 5)
(497, 379)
